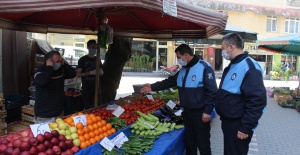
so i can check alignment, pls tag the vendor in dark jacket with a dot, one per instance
(197, 92)
(49, 84)
(241, 97)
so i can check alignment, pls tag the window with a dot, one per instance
(271, 24)
(79, 53)
(291, 25)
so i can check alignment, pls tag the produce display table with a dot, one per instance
(167, 143)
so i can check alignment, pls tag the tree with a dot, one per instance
(119, 52)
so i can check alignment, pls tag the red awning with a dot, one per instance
(136, 18)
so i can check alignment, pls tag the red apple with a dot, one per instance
(41, 148)
(42, 153)
(9, 144)
(69, 143)
(15, 137)
(4, 141)
(75, 149)
(33, 141)
(62, 138)
(25, 139)
(54, 141)
(48, 136)
(25, 153)
(63, 153)
(16, 151)
(25, 133)
(34, 151)
(17, 143)
(25, 146)
(56, 149)
(2, 148)
(55, 133)
(31, 135)
(9, 151)
(40, 138)
(48, 144)
(69, 152)
(50, 152)
(62, 146)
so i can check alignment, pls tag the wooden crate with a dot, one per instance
(27, 115)
(28, 109)
(3, 114)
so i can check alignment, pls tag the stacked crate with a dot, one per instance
(28, 115)
(3, 114)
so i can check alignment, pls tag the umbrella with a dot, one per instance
(129, 18)
(289, 44)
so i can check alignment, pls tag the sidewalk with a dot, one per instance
(278, 133)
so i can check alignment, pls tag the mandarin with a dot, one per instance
(87, 137)
(109, 126)
(79, 125)
(86, 130)
(83, 145)
(93, 140)
(92, 134)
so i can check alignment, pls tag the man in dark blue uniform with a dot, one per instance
(241, 97)
(197, 92)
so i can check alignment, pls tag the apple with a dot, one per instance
(40, 138)
(69, 143)
(50, 152)
(74, 136)
(62, 126)
(2, 148)
(48, 136)
(33, 141)
(62, 138)
(34, 151)
(76, 142)
(68, 132)
(69, 152)
(56, 150)
(42, 153)
(54, 141)
(68, 137)
(62, 132)
(25, 153)
(75, 149)
(58, 120)
(9, 151)
(53, 125)
(16, 151)
(63, 146)
(4, 141)
(55, 133)
(25, 146)
(48, 144)
(73, 129)
(25, 133)
(41, 148)
(17, 143)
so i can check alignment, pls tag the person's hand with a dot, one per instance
(242, 136)
(101, 71)
(49, 62)
(205, 117)
(146, 89)
(93, 72)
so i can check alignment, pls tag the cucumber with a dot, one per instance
(179, 126)
(154, 117)
(168, 125)
(144, 126)
(163, 129)
(145, 116)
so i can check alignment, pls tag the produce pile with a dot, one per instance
(166, 96)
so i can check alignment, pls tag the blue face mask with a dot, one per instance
(92, 51)
(225, 55)
(181, 62)
(56, 66)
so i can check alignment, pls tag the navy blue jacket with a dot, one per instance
(196, 85)
(242, 94)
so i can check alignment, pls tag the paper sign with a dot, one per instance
(171, 104)
(107, 144)
(150, 97)
(172, 90)
(118, 111)
(119, 139)
(39, 128)
(81, 119)
(151, 126)
(170, 7)
(178, 113)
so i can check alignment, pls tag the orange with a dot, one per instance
(87, 136)
(80, 113)
(88, 143)
(94, 119)
(89, 122)
(91, 128)
(72, 124)
(113, 130)
(81, 138)
(109, 126)
(103, 122)
(99, 124)
(109, 132)
(101, 136)
(100, 130)
(104, 128)
(98, 118)
(95, 126)
(92, 115)
(96, 132)
(93, 140)
(105, 134)
(92, 134)
(86, 130)
(83, 145)
(80, 132)
(97, 138)
(79, 125)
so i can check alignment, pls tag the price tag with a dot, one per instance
(81, 119)
(118, 111)
(150, 97)
(107, 144)
(172, 90)
(39, 128)
(178, 113)
(119, 139)
(151, 126)
(171, 104)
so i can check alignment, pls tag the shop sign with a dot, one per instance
(118, 111)
(252, 48)
(119, 140)
(210, 51)
(170, 7)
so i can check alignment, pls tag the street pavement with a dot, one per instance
(278, 132)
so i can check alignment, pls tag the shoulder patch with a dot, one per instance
(210, 76)
(233, 76)
(193, 77)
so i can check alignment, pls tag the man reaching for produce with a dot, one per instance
(49, 84)
(197, 92)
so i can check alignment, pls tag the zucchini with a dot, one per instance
(179, 126)
(154, 117)
(146, 117)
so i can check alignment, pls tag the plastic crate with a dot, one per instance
(14, 101)
(13, 115)
(72, 104)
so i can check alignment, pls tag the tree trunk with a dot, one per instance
(119, 52)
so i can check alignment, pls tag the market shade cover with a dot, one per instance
(289, 44)
(245, 34)
(132, 18)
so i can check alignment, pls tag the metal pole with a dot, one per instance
(100, 15)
